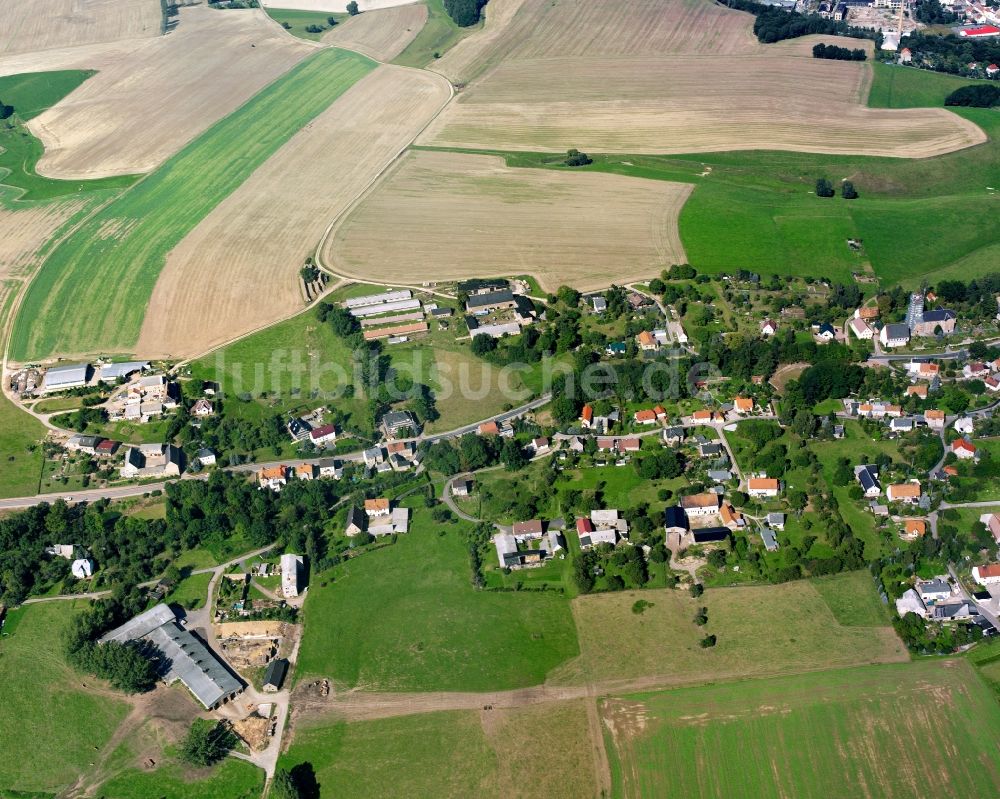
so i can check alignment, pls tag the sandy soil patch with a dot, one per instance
(668, 77)
(381, 35)
(238, 270)
(210, 65)
(334, 5)
(30, 25)
(443, 216)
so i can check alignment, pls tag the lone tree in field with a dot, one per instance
(824, 188)
(576, 158)
(331, 21)
(847, 191)
(352, 8)
(206, 743)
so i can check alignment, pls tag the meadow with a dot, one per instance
(761, 630)
(233, 779)
(69, 309)
(453, 753)
(865, 731)
(297, 21)
(51, 724)
(435, 631)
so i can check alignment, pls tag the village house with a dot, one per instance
(935, 590)
(590, 535)
(768, 327)
(202, 408)
(646, 341)
(904, 492)
(373, 456)
(743, 405)
(763, 487)
(356, 522)
(152, 460)
(963, 449)
(923, 369)
(992, 522)
(673, 436)
(305, 471)
(205, 457)
(587, 417)
(461, 488)
(291, 568)
(987, 575)
(675, 520)
(107, 448)
(975, 369)
(934, 419)
(272, 477)
(377, 507)
(321, 436)
(490, 428)
(919, 391)
(964, 425)
(490, 301)
(867, 477)
(826, 332)
(395, 423)
(866, 312)
(904, 425)
(700, 504)
(914, 528)
(539, 446)
(86, 444)
(731, 517)
(776, 520)
(894, 335)
(910, 602)
(861, 329)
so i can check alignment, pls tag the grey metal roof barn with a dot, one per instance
(112, 371)
(186, 658)
(69, 376)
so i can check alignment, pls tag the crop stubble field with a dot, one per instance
(644, 76)
(895, 731)
(441, 216)
(238, 269)
(141, 108)
(29, 25)
(70, 307)
(382, 34)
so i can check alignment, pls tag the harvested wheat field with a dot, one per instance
(30, 25)
(468, 56)
(238, 269)
(209, 66)
(648, 76)
(381, 35)
(26, 228)
(442, 216)
(333, 5)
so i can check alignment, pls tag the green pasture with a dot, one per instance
(435, 632)
(865, 731)
(298, 21)
(51, 724)
(71, 307)
(232, 779)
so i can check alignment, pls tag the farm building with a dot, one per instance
(185, 657)
(894, 335)
(60, 378)
(274, 675)
(490, 300)
(378, 299)
(291, 566)
(111, 372)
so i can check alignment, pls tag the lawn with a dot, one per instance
(20, 450)
(761, 630)
(233, 779)
(439, 34)
(191, 592)
(434, 631)
(69, 309)
(866, 731)
(852, 599)
(896, 86)
(50, 725)
(453, 753)
(30, 94)
(298, 21)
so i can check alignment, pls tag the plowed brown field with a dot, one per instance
(441, 216)
(30, 25)
(655, 76)
(238, 270)
(381, 35)
(145, 106)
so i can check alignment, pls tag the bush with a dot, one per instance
(824, 188)
(974, 96)
(847, 191)
(707, 641)
(576, 158)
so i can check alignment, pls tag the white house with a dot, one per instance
(986, 575)
(763, 487)
(861, 329)
(768, 327)
(290, 567)
(895, 335)
(933, 590)
(82, 568)
(868, 478)
(964, 425)
(910, 602)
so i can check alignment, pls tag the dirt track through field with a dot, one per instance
(238, 269)
(382, 34)
(441, 216)
(666, 76)
(33, 25)
(144, 106)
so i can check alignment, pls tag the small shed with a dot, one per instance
(274, 675)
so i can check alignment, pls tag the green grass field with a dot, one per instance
(852, 599)
(50, 725)
(761, 630)
(453, 753)
(434, 631)
(70, 307)
(30, 94)
(298, 21)
(439, 34)
(907, 87)
(20, 451)
(895, 731)
(191, 592)
(232, 779)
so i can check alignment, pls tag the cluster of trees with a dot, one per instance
(576, 158)
(980, 96)
(776, 24)
(207, 742)
(463, 12)
(975, 300)
(931, 12)
(951, 54)
(618, 567)
(6, 111)
(835, 53)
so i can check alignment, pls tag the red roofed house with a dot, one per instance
(646, 341)
(106, 448)
(993, 523)
(992, 70)
(768, 328)
(525, 530)
(963, 449)
(917, 391)
(631, 444)
(323, 435)
(904, 492)
(606, 443)
(743, 404)
(912, 528)
(935, 419)
(986, 575)
(763, 487)
(660, 411)
(584, 526)
(905, 56)
(587, 416)
(645, 417)
(489, 429)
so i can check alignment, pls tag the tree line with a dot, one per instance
(977, 96)
(951, 53)
(464, 12)
(776, 24)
